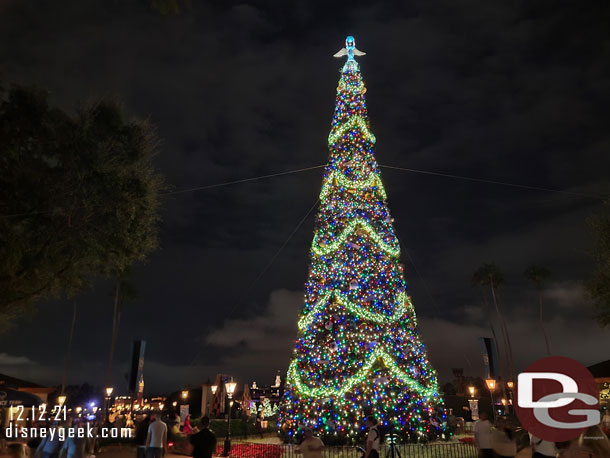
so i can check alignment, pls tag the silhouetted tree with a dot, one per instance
(537, 275)
(598, 285)
(79, 196)
(491, 275)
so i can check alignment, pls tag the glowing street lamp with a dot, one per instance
(491, 384)
(109, 391)
(185, 394)
(471, 390)
(214, 388)
(61, 400)
(230, 386)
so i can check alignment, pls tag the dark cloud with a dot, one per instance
(513, 91)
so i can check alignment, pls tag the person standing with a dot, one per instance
(141, 435)
(542, 448)
(606, 423)
(372, 439)
(49, 447)
(502, 440)
(75, 446)
(312, 446)
(593, 443)
(156, 440)
(482, 436)
(203, 442)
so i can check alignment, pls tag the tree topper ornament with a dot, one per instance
(350, 51)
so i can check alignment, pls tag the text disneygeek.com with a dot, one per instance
(59, 433)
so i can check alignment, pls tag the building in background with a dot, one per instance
(6, 381)
(601, 374)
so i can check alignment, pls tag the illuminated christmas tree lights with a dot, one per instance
(358, 350)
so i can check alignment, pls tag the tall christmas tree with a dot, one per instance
(358, 350)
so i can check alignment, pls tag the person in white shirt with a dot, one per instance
(312, 446)
(156, 440)
(542, 448)
(482, 436)
(372, 439)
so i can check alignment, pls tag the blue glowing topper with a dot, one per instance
(350, 50)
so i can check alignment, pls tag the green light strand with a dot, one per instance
(354, 121)
(399, 310)
(359, 377)
(351, 227)
(372, 180)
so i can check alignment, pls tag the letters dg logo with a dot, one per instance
(557, 399)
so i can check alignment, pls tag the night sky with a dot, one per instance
(514, 91)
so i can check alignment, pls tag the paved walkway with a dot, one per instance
(125, 451)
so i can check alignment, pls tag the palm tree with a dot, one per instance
(482, 281)
(537, 275)
(69, 350)
(489, 274)
(124, 290)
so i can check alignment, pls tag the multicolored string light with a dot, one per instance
(358, 350)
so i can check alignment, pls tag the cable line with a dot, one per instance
(502, 183)
(245, 180)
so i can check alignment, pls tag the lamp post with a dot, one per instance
(510, 384)
(491, 384)
(473, 403)
(230, 386)
(214, 388)
(109, 391)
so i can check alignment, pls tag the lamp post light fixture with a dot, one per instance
(61, 400)
(491, 384)
(174, 404)
(510, 384)
(109, 391)
(471, 390)
(230, 386)
(185, 394)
